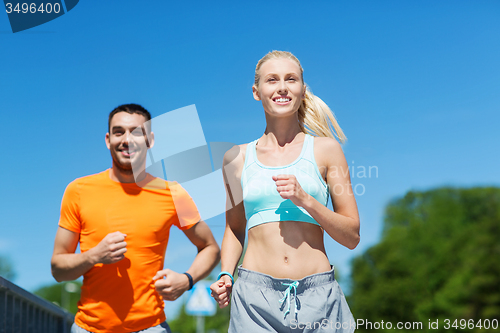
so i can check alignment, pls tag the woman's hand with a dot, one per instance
(289, 188)
(221, 290)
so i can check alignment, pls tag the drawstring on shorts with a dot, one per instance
(291, 287)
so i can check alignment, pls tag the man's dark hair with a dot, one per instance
(130, 108)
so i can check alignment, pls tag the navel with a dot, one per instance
(286, 260)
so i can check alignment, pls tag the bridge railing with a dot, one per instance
(24, 312)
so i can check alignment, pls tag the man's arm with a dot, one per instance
(175, 284)
(208, 251)
(68, 265)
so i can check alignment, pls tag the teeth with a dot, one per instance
(282, 100)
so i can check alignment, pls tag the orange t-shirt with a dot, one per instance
(121, 297)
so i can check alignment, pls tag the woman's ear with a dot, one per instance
(255, 93)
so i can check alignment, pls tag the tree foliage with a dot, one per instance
(57, 293)
(438, 259)
(6, 269)
(185, 323)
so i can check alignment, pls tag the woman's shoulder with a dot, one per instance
(235, 157)
(236, 151)
(326, 144)
(328, 150)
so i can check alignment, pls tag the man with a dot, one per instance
(121, 219)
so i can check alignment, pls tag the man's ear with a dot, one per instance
(107, 141)
(150, 140)
(255, 93)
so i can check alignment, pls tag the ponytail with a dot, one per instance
(315, 117)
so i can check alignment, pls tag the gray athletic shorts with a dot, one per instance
(162, 328)
(261, 303)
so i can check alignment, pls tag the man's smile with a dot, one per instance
(128, 152)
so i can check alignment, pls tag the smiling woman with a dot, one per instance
(313, 113)
(278, 189)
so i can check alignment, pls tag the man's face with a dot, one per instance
(126, 141)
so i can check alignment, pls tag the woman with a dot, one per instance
(277, 188)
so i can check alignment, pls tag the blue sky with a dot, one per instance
(415, 86)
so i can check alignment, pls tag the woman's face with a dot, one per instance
(281, 89)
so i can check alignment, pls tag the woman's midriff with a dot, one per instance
(286, 249)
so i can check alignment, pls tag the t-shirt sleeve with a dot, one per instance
(187, 212)
(70, 210)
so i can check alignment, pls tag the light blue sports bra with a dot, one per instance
(262, 201)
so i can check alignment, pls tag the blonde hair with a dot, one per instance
(315, 117)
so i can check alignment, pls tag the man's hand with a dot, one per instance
(170, 285)
(111, 249)
(221, 290)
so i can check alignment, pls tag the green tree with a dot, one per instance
(6, 270)
(64, 294)
(438, 259)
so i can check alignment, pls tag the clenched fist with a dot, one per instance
(170, 285)
(221, 290)
(111, 249)
(289, 188)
